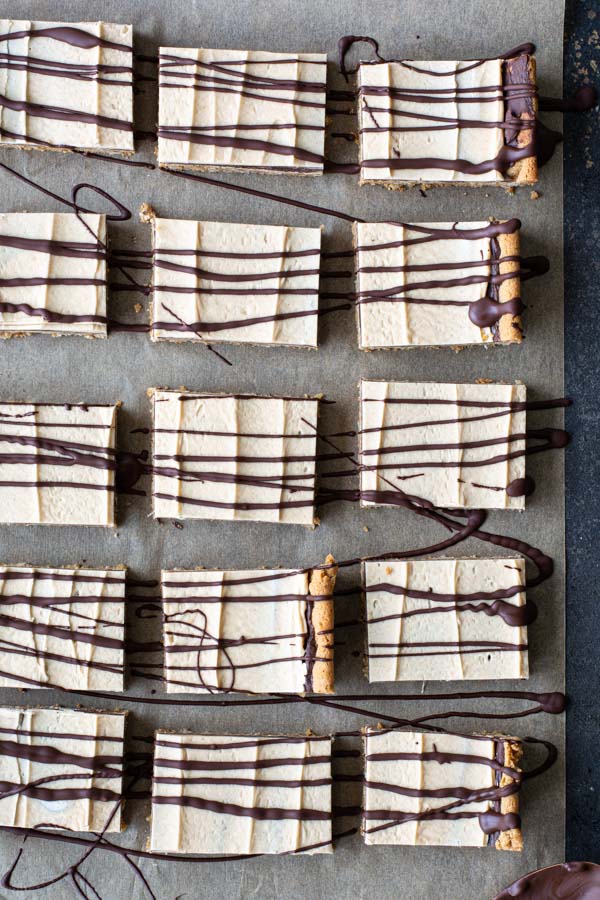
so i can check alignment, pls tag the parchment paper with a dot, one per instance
(73, 369)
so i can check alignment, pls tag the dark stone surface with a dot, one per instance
(582, 355)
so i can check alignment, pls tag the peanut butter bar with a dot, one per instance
(445, 619)
(236, 457)
(241, 794)
(61, 768)
(433, 284)
(66, 86)
(448, 790)
(452, 445)
(448, 122)
(249, 630)
(62, 628)
(53, 274)
(57, 464)
(242, 110)
(220, 282)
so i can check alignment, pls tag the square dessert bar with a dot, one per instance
(57, 464)
(62, 628)
(236, 457)
(466, 122)
(445, 619)
(255, 631)
(242, 110)
(229, 283)
(453, 445)
(437, 283)
(448, 790)
(61, 768)
(53, 274)
(66, 86)
(241, 794)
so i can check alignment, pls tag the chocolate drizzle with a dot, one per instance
(572, 880)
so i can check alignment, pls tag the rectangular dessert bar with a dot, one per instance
(227, 283)
(454, 445)
(447, 790)
(249, 630)
(466, 122)
(445, 619)
(241, 794)
(236, 457)
(53, 274)
(62, 628)
(242, 110)
(57, 464)
(437, 284)
(66, 86)
(61, 768)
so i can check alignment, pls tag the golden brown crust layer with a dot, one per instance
(513, 838)
(509, 327)
(321, 584)
(525, 171)
(244, 170)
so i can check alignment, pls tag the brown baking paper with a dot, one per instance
(123, 367)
